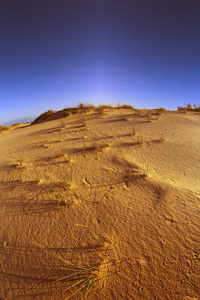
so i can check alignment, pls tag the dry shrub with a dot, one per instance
(66, 113)
(126, 106)
(189, 107)
(83, 108)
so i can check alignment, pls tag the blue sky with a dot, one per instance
(57, 53)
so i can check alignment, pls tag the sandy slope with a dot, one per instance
(138, 236)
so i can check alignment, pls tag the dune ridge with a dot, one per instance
(101, 204)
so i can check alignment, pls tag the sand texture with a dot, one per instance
(101, 205)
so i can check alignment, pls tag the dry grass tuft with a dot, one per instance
(133, 130)
(62, 123)
(162, 137)
(146, 170)
(79, 277)
(82, 121)
(79, 272)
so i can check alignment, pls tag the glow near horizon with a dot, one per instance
(95, 85)
(134, 56)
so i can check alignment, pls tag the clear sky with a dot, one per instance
(57, 53)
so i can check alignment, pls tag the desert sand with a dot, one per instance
(101, 205)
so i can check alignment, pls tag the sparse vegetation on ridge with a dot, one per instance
(46, 115)
(3, 128)
(80, 109)
(188, 107)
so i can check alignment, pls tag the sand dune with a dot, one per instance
(101, 205)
